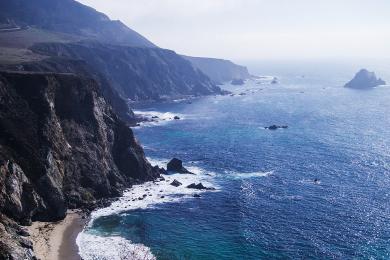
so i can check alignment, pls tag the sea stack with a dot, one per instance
(365, 79)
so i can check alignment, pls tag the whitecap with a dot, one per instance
(154, 118)
(247, 175)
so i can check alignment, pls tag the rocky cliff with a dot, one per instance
(61, 146)
(220, 71)
(136, 73)
(81, 68)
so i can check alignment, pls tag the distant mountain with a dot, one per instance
(365, 79)
(219, 70)
(71, 17)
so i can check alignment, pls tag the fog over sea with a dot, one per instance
(267, 203)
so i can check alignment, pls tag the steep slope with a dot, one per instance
(81, 68)
(61, 147)
(219, 70)
(136, 73)
(71, 17)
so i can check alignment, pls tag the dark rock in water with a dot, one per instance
(196, 196)
(276, 127)
(238, 82)
(199, 186)
(275, 81)
(155, 117)
(176, 183)
(176, 118)
(365, 79)
(162, 197)
(242, 94)
(176, 165)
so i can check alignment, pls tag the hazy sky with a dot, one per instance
(259, 29)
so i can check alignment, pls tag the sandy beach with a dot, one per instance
(57, 240)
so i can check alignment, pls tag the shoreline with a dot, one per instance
(57, 240)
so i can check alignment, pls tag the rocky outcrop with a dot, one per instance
(176, 183)
(199, 186)
(176, 165)
(61, 146)
(365, 79)
(237, 82)
(136, 73)
(220, 71)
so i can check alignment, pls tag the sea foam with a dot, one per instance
(157, 118)
(146, 195)
(111, 248)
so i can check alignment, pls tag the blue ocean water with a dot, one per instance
(268, 205)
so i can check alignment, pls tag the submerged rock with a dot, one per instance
(276, 127)
(275, 80)
(365, 79)
(176, 118)
(176, 165)
(176, 183)
(196, 196)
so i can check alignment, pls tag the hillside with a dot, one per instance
(219, 70)
(70, 17)
(136, 73)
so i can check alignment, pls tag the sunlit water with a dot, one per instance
(268, 205)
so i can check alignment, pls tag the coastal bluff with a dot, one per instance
(61, 147)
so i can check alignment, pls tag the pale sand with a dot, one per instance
(57, 240)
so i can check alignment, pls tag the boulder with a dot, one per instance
(176, 183)
(176, 118)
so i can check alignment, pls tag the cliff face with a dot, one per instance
(61, 147)
(136, 73)
(219, 70)
(81, 68)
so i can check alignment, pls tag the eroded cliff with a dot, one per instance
(61, 146)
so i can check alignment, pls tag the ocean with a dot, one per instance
(318, 189)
